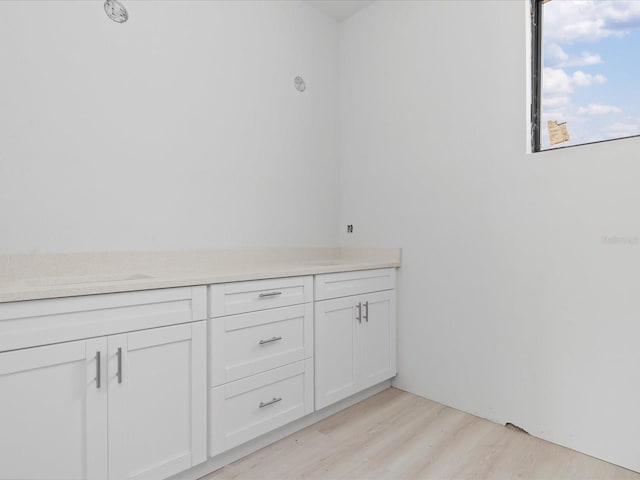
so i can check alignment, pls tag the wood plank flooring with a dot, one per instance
(397, 435)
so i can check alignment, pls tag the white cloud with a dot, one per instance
(557, 81)
(585, 59)
(581, 79)
(555, 56)
(598, 109)
(589, 20)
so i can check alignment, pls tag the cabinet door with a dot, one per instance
(157, 402)
(376, 339)
(334, 325)
(53, 412)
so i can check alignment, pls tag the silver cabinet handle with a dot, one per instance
(359, 317)
(270, 402)
(366, 311)
(98, 370)
(273, 339)
(270, 294)
(119, 365)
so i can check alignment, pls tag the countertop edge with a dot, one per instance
(183, 280)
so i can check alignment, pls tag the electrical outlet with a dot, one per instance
(349, 228)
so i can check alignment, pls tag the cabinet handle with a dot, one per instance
(270, 402)
(274, 339)
(359, 317)
(270, 294)
(98, 369)
(119, 354)
(366, 311)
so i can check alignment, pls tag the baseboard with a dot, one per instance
(256, 444)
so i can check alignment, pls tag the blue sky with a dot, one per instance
(591, 72)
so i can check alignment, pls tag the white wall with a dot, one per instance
(179, 129)
(510, 305)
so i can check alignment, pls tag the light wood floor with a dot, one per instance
(397, 435)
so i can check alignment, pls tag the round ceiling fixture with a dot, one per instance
(116, 11)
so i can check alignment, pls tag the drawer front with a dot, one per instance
(242, 297)
(40, 322)
(242, 410)
(335, 285)
(250, 343)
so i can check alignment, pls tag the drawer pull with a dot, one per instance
(271, 340)
(270, 402)
(270, 294)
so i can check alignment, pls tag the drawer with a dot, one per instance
(242, 410)
(251, 343)
(335, 285)
(242, 297)
(55, 320)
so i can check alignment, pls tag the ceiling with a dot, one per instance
(340, 9)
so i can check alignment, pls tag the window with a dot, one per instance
(586, 71)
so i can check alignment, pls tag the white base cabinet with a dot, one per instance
(261, 358)
(141, 386)
(355, 339)
(130, 406)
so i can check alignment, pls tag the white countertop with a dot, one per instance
(31, 277)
